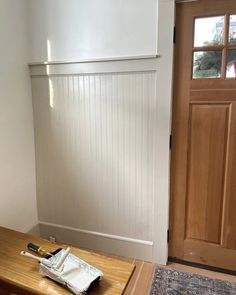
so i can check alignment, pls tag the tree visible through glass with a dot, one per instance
(209, 35)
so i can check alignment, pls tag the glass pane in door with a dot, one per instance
(231, 64)
(208, 31)
(232, 29)
(207, 64)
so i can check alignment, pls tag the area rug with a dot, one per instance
(173, 282)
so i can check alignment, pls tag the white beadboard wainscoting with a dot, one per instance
(102, 149)
(95, 135)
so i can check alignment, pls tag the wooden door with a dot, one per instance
(203, 166)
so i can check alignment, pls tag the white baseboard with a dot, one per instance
(32, 229)
(117, 245)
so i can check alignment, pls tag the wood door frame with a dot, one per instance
(180, 129)
(179, 133)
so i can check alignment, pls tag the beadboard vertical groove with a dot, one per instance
(95, 151)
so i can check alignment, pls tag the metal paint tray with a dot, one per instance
(75, 273)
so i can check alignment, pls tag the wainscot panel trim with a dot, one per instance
(126, 239)
(111, 244)
(106, 59)
(94, 67)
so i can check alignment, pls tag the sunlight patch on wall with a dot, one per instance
(49, 51)
(51, 93)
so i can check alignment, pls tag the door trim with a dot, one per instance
(166, 16)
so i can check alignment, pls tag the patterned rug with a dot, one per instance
(173, 282)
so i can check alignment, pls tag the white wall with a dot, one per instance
(75, 32)
(85, 177)
(17, 163)
(70, 30)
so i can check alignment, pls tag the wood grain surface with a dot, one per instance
(203, 157)
(20, 275)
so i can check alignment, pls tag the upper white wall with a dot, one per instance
(70, 30)
(17, 161)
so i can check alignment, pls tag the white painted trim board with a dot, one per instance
(111, 244)
(109, 236)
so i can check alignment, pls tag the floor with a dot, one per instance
(141, 280)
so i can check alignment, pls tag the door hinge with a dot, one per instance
(168, 236)
(174, 35)
(170, 141)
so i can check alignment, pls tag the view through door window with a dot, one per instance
(214, 48)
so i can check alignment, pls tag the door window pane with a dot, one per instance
(209, 31)
(207, 64)
(231, 64)
(232, 29)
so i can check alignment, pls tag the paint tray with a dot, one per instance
(75, 274)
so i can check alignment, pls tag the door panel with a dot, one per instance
(203, 160)
(209, 254)
(208, 142)
(229, 230)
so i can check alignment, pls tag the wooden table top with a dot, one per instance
(22, 273)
